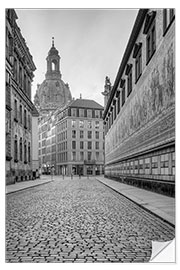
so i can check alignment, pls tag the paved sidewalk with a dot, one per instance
(161, 205)
(28, 184)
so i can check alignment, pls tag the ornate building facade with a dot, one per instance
(19, 108)
(139, 116)
(53, 93)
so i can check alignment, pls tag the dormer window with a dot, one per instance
(129, 78)
(168, 17)
(137, 54)
(150, 32)
(122, 85)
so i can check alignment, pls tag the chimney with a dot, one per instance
(80, 96)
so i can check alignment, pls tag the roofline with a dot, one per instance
(71, 104)
(134, 34)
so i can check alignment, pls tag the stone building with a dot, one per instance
(35, 153)
(80, 138)
(53, 93)
(47, 143)
(139, 116)
(71, 139)
(19, 75)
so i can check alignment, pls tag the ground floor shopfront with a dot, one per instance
(79, 169)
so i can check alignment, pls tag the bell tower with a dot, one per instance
(53, 63)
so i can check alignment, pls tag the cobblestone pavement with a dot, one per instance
(79, 220)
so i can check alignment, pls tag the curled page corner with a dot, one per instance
(163, 251)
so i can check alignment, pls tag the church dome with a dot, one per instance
(53, 93)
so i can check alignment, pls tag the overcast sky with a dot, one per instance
(90, 42)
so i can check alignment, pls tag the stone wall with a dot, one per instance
(143, 133)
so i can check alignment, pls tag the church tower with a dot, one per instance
(53, 63)
(53, 93)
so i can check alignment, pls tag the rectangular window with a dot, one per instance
(29, 89)
(15, 69)
(138, 65)
(74, 156)
(97, 156)
(20, 114)
(15, 149)
(89, 134)
(15, 110)
(118, 103)
(73, 134)
(168, 16)
(97, 114)
(89, 124)
(25, 118)
(96, 124)
(89, 156)
(89, 113)
(97, 145)
(81, 123)
(150, 42)
(73, 144)
(81, 156)
(123, 94)
(25, 84)
(29, 153)
(81, 145)
(97, 134)
(81, 112)
(81, 134)
(73, 112)
(89, 145)
(129, 82)
(20, 76)
(73, 123)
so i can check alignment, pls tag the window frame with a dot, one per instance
(89, 145)
(123, 95)
(129, 82)
(168, 18)
(151, 42)
(138, 65)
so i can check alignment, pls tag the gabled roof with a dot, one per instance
(85, 103)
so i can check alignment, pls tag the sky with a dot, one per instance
(91, 44)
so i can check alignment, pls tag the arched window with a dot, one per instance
(54, 65)
(15, 149)
(20, 149)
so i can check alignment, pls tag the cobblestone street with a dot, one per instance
(79, 220)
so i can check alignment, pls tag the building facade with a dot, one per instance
(35, 153)
(139, 116)
(80, 138)
(10, 18)
(71, 139)
(19, 76)
(47, 143)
